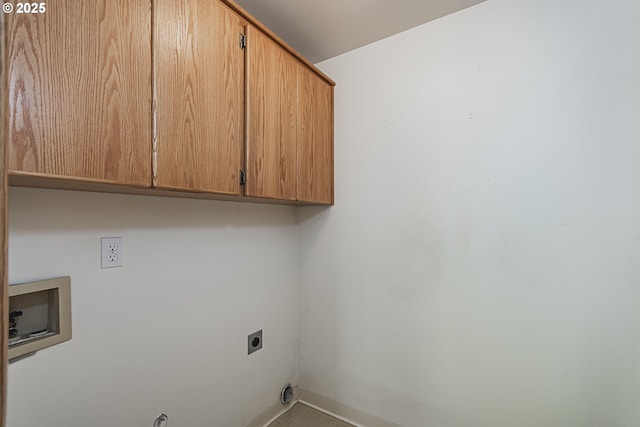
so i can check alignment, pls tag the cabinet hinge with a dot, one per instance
(243, 41)
(243, 178)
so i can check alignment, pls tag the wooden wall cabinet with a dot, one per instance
(80, 92)
(289, 126)
(199, 96)
(271, 118)
(99, 100)
(315, 138)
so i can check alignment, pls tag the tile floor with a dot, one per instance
(301, 415)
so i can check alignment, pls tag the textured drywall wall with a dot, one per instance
(168, 331)
(481, 264)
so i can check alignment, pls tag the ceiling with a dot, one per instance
(322, 29)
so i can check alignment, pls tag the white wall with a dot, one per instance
(168, 332)
(481, 266)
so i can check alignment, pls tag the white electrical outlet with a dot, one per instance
(112, 252)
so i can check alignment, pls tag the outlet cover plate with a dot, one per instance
(254, 342)
(111, 252)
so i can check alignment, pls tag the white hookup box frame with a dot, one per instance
(46, 314)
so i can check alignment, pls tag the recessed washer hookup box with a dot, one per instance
(39, 315)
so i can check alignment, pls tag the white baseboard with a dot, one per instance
(342, 412)
(270, 414)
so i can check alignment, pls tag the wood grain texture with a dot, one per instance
(271, 119)
(200, 96)
(101, 187)
(273, 36)
(80, 90)
(4, 298)
(315, 138)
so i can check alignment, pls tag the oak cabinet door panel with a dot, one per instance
(199, 96)
(272, 119)
(315, 138)
(80, 91)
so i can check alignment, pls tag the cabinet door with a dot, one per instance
(80, 91)
(199, 96)
(271, 115)
(315, 138)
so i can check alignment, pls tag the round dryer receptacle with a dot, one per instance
(286, 395)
